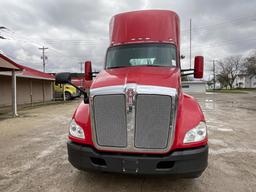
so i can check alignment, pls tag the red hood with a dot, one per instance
(157, 76)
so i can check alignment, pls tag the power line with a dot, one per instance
(204, 27)
(221, 44)
(94, 42)
(81, 66)
(12, 57)
(223, 23)
(215, 32)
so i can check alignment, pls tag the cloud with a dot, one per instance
(76, 31)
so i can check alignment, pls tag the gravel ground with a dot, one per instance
(33, 153)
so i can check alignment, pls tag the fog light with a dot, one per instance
(75, 130)
(196, 134)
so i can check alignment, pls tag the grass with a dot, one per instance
(235, 91)
(246, 89)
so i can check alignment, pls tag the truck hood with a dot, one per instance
(143, 75)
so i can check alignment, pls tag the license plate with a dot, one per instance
(130, 166)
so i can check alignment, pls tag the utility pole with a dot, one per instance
(81, 71)
(190, 39)
(81, 67)
(214, 76)
(43, 57)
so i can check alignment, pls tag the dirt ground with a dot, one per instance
(33, 154)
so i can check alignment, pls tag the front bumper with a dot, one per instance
(185, 163)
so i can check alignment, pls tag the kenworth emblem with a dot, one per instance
(130, 98)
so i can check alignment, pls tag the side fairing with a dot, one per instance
(146, 25)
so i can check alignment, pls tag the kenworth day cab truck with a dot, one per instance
(135, 118)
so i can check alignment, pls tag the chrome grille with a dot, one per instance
(110, 120)
(153, 114)
(133, 117)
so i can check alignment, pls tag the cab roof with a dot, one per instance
(144, 26)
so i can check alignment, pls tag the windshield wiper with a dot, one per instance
(115, 67)
(151, 65)
(158, 66)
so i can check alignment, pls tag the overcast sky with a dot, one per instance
(75, 31)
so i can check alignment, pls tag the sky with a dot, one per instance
(76, 31)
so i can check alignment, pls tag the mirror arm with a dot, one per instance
(86, 98)
(186, 74)
(184, 70)
(93, 74)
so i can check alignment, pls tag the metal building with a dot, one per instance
(20, 85)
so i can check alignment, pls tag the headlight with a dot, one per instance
(196, 134)
(75, 130)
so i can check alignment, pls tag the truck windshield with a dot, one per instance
(148, 54)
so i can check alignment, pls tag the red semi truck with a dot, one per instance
(135, 118)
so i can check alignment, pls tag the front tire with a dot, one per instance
(68, 96)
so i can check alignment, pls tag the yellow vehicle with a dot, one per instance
(70, 91)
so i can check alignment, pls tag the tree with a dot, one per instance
(210, 82)
(250, 64)
(228, 69)
(223, 80)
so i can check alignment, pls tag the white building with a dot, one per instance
(194, 86)
(245, 81)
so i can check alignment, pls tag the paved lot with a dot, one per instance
(33, 152)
